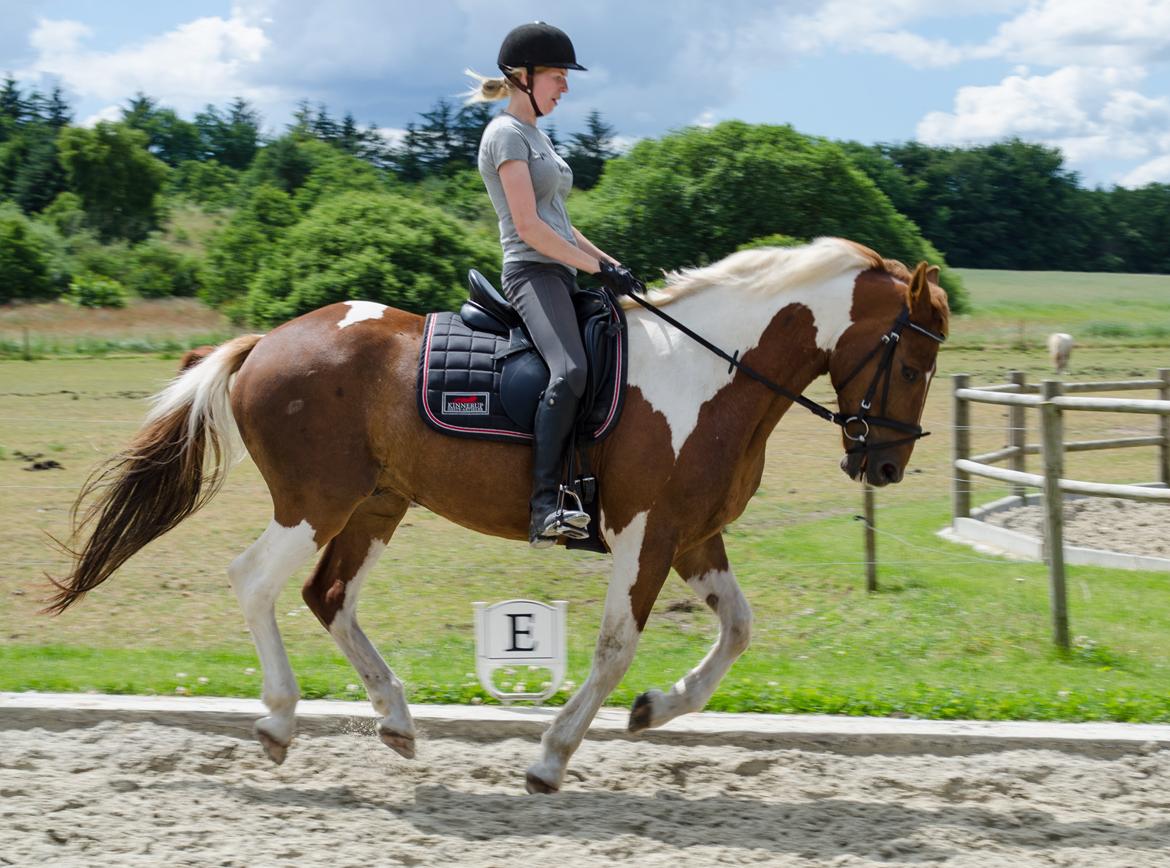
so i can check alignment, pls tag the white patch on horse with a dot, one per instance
(360, 311)
(677, 376)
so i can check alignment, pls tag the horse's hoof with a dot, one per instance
(535, 785)
(275, 750)
(641, 714)
(398, 742)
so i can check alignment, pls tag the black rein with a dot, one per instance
(887, 346)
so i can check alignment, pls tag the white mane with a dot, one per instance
(768, 270)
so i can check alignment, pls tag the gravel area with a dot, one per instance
(1111, 524)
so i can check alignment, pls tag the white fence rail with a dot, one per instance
(1050, 398)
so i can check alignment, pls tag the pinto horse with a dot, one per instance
(325, 406)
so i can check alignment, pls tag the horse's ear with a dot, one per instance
(920, 304)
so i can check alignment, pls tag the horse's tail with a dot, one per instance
(176, 463)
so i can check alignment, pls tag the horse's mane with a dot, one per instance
(770, 270)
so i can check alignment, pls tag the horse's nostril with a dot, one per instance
(890, 472)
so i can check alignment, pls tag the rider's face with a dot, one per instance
(548, 86)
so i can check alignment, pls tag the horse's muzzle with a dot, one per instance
(876, 471)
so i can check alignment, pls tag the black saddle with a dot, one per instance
(480, 376)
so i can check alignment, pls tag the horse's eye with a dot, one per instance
(909, 374)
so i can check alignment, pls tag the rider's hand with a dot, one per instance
(619, 279)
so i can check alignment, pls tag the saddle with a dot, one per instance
(480, 376)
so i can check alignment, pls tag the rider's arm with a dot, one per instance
(591, 248)
(517, 184)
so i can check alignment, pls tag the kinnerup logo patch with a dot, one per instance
(465, 404)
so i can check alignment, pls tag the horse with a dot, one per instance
(1059, 349)
(325, 406)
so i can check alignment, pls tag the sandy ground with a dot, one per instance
(1111, 524)
(144, 794)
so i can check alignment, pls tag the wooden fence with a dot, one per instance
(1052, 398)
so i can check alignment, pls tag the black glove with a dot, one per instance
(619, 279)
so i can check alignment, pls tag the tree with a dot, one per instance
(696, 195)
(235, 253)
(231, 137)
(376, 246)
(169, 137)
(589, 151)
(24, 259)
(117, 179)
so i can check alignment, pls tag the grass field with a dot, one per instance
(951, 633)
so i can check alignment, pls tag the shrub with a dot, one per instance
(93, 290)
(25, 259)
(377, 246)
(156, 271)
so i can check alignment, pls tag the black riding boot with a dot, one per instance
(551, 428)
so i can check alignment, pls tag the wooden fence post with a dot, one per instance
(1053, 449)
(1164, 429)
(961, 485)
(1018, 434)
(870, 542)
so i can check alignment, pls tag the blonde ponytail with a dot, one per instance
(487, 89)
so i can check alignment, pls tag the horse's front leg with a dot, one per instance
(641, 562)
(706, 570)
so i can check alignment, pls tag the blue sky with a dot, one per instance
(1089, 76)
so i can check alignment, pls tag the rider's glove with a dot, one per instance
(619, 279)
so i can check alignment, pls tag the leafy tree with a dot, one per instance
(377, 246)
(470, 122)
(211, 185)
(117, 179)
(589, 151)
(231, 137)
(235, 253)
(694, 196)
(156, 271)
(169, 137)
(65, 214)
(25, 270)
(30, 170)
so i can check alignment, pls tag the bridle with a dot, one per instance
(887, 346)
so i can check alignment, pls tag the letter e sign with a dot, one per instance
(520, 632)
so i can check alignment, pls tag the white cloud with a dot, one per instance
(1155, 171)
(1089, 113)
(1087, 32)
(204, 60)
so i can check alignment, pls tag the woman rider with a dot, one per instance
(527, 182)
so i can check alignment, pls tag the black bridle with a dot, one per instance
(887, 346)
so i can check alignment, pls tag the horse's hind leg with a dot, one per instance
(331, 592)
(706, 570)
(257, 577)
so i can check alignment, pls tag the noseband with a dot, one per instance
(887, 347)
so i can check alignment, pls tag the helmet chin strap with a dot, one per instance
(527, 88)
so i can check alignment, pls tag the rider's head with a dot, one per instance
(534, 59)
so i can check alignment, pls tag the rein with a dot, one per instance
(887, 346)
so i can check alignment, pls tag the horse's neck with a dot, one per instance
(677, 376)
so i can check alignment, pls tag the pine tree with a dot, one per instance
(589, 151)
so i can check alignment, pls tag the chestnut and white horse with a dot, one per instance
(325, 406)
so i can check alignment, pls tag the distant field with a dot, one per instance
(1019, 308)
(951, 633)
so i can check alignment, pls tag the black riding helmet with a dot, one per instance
(537, 44)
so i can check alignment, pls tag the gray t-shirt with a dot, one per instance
(508, 138)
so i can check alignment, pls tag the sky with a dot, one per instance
(1091, 77)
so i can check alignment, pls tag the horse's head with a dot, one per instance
(882, 365)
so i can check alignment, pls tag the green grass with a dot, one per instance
(1017, 308)
(950, 633)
